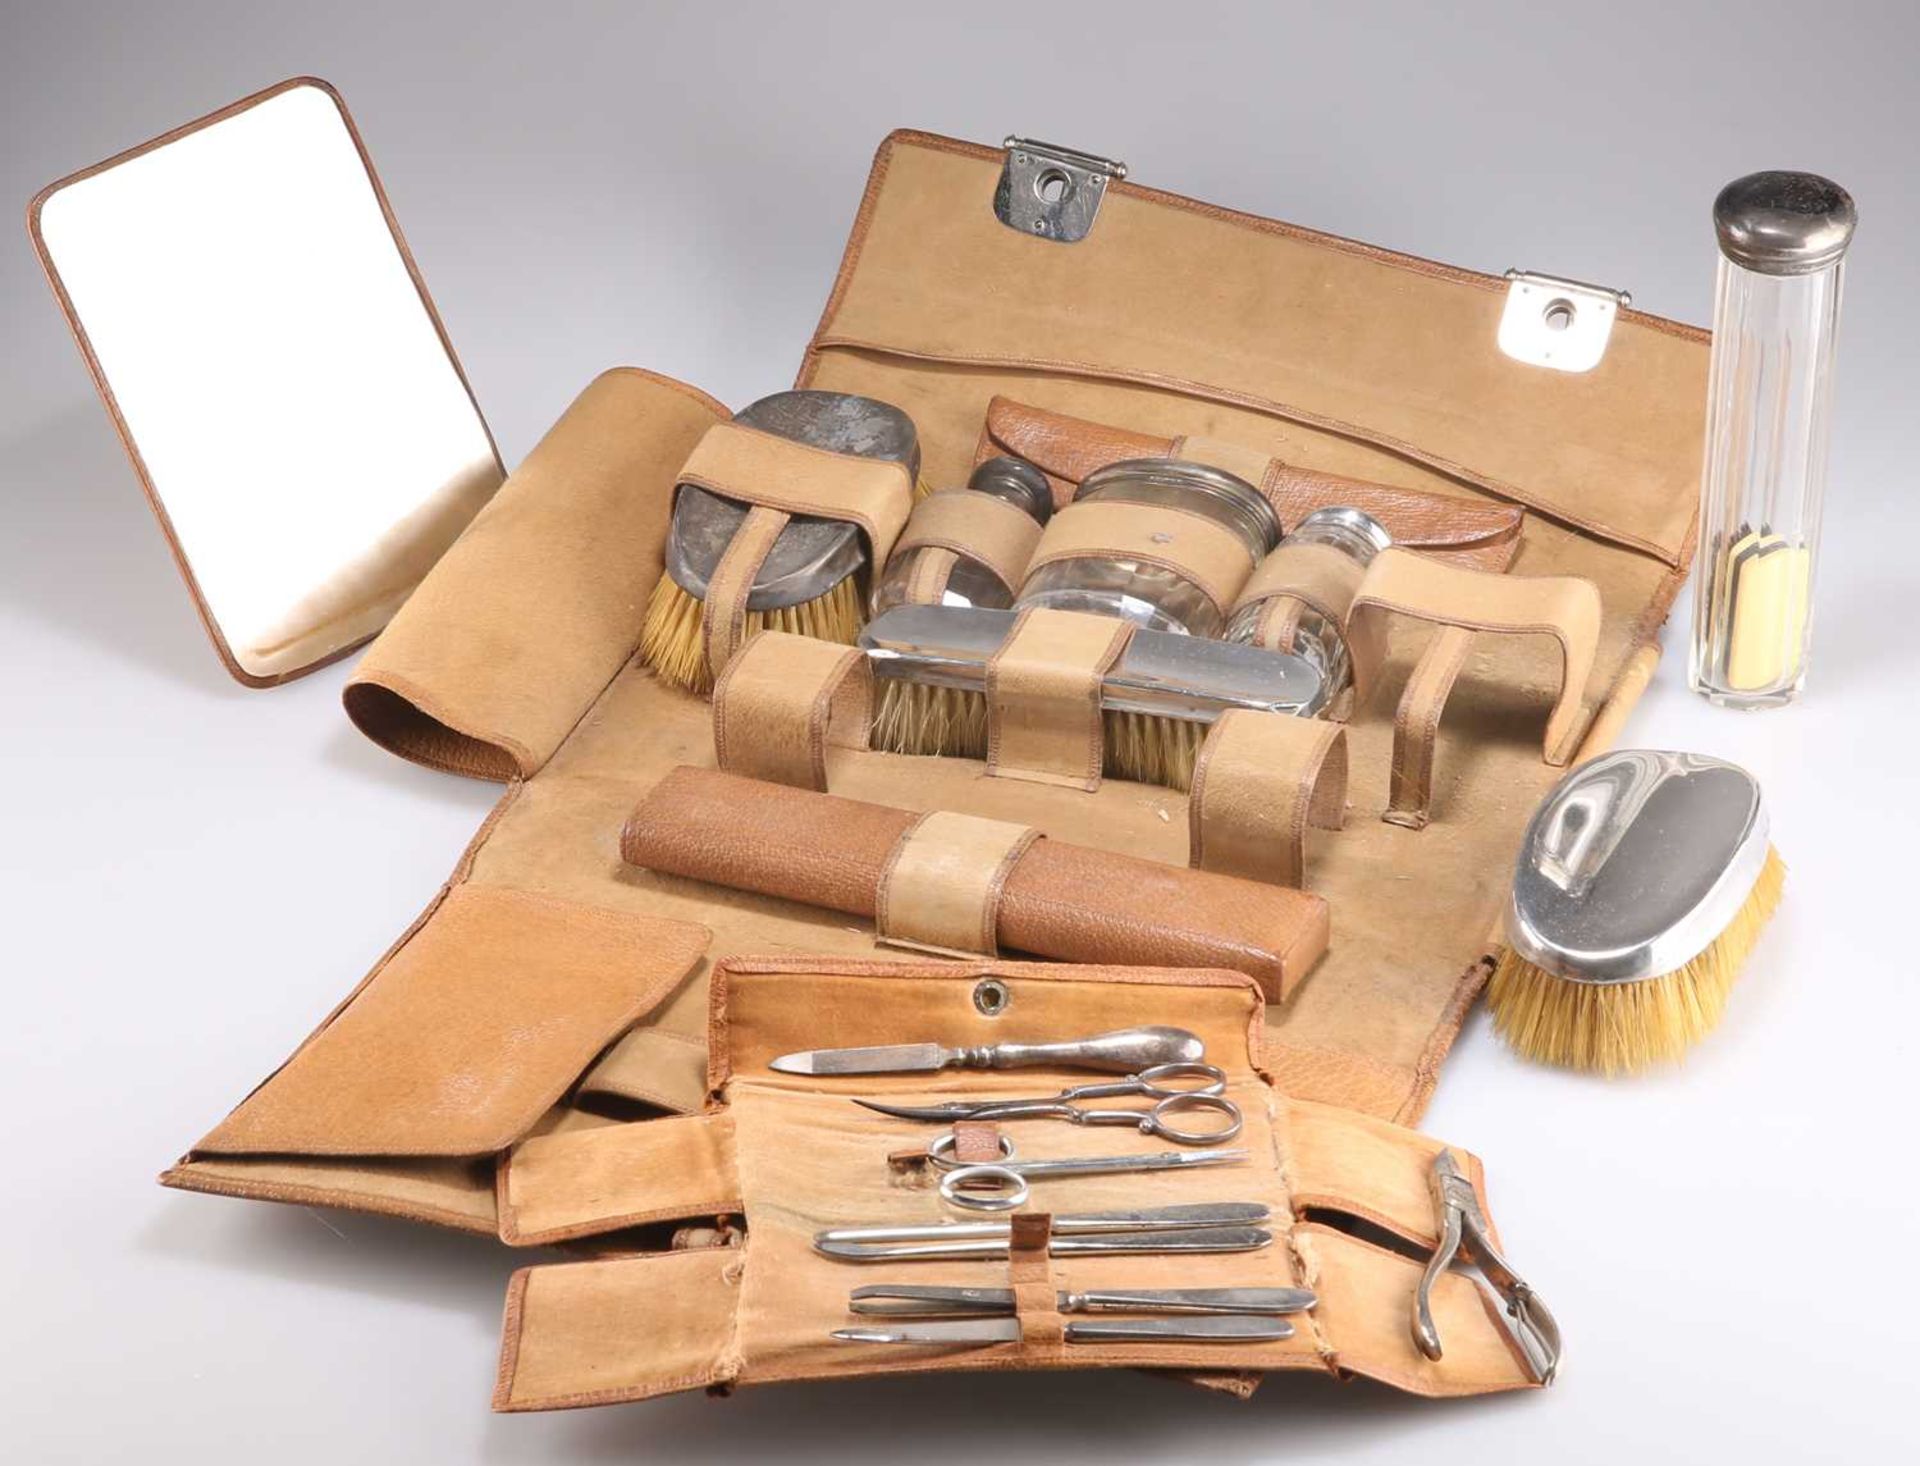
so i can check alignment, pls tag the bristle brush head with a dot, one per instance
(1643, 882)
(673, 643)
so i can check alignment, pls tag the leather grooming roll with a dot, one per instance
(1305, 357)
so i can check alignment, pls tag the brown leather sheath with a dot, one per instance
(1060, 900)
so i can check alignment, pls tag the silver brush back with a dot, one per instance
(1161, 674)
(811, 556)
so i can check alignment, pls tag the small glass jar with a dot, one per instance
(1139, 590)
(1783, 242)
(1297, 601)
(943, 575)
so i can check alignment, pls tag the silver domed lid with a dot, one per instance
(1780, 223)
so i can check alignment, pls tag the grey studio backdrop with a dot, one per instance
(194, 873)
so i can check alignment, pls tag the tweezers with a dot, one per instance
(1220, 1328)
(905, 1300)
(1463, 1230)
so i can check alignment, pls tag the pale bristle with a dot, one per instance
(671, 635)
(1626, 1027)
(921, 488)
(1152, 750)
(915, 718)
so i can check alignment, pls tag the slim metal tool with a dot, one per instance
(1164, 1084)
(1003, 1185)
(908, 1300)
(1205, 1239)
(1123, 1051)
(1225, 1328)
(1464, 1236)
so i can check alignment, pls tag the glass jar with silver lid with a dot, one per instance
(1297, 601)
(975, 551)
(1164, 572)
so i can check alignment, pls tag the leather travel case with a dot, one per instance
(775, 1157)
(1176, 320)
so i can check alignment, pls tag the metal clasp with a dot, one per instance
(1562, 324)
(1051, 191)
(1465, 1241)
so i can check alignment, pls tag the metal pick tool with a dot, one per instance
(1225, 1328)
(1123, 1051)
(1230, 1226)
(910, 1300)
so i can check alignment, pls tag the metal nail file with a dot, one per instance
(1074, 1224)
(1225, 1328)
(914, 1300)
(1123, 1051)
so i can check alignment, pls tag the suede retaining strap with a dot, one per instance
(1036, 1296)
(940, 890)
(1043, 697)
(782, 478)
(1235, 458)
(1317, 576)
(927, 584)
(781, 685)
(1196, 548)
(1260, 780)
(1462, 602)
(978, 526)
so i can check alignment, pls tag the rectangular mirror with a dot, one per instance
(274, 364)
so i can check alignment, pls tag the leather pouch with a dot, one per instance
(1352, 1214)
(513, 660)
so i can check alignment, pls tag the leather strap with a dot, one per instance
(773, 473)
(783, 701)
(724, 626)
(977, 1143)
(1236, 458)
(1043, 696)
(1260, 780)
(1416, 727)
(1036, 1296)
(1564, 607)
(1318, 576)
(1189, 545)
(927, 581)
(940, 889)
(978, 526)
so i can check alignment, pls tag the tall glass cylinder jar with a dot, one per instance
(1297, 601)
(972, 555)
(1783, 237)
(1150, 584)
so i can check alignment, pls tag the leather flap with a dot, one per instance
(1343, 338)
(524, 622)
(574, 1184)
(467, 1033)
(595, 1333)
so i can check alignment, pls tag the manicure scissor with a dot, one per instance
(1162, 1084)
(1001, 1185)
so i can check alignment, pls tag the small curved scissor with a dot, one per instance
(1161, 1084)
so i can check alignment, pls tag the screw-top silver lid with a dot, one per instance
(1781, 223)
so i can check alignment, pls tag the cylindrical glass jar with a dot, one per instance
(1297, 601)
(945, 574)
(1783, 238)
(1144, 586)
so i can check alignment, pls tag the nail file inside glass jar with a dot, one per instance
(1160, 673)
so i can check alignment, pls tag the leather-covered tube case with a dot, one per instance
(1056, 899)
